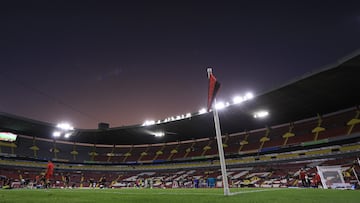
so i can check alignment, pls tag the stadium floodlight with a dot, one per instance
(202, 111)
(220, 105)
(63, 129)
(57, 134)
(248, 96)
(67, 135)
(148, 122)
(159, 134)
(65, 126)
(237, 100)
(261, 114)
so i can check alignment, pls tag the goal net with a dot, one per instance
(332, 177)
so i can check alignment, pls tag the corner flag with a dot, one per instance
(214, 86)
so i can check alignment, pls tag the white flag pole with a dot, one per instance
(220, 145)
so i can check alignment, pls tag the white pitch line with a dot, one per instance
(251, 191)
(124, 192)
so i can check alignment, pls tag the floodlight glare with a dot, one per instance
(237, 100)
(56, 134)
(261, 114)
(202, 111)
(188, 115)
(65, 126)
(67, 135)
(220, 105)
(159, 134)
(248, 96)
(146, 123)
(63, 129)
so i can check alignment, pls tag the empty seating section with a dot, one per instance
(119, 154)
(197, 149)
(182, 150)
(152, 152)
(37, 149)
(134, 154)
(336, 125)
(257, 140)
(213, 150)
(99, 154)
(163, 152)
(63, 151)
(232, 145)
(253, 142)
(82, 153)
(275, 137)
(5, 148)
(302, 132)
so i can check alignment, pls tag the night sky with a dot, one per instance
(125, 62)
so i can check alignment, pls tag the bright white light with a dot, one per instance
(202, 111)
(146, 123)
(67, 135)
(261, 114)
(237, 100)
(220, 105)
(56, 134)
(65, 126)
(188, 115)
(248, 96)
(159, 134)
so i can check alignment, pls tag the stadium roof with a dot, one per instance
(331, 89)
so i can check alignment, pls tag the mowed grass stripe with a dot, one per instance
(255, 195)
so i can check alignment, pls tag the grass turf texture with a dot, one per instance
(246, 195)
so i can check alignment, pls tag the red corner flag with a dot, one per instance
(214, 86)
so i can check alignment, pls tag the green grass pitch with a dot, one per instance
(243, 195)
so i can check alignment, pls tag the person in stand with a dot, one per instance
(316, 180)
(49, 173)
(103, 182)
(302, 177)
(67, 180)
(92, 183)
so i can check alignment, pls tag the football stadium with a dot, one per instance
(299, 142)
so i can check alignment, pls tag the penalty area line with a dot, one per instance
(251, 191)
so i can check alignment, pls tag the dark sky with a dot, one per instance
(124, 62)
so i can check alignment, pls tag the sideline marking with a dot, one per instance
(129, 192)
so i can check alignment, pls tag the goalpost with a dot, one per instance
(332, 177)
